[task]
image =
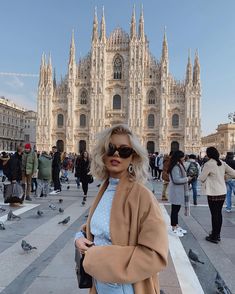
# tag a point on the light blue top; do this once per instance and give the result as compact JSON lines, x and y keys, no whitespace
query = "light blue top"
{"x":100,"y":229}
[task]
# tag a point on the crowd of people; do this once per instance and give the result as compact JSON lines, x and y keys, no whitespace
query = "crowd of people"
{"x":36,"y":171}
{"x":114,"y":241}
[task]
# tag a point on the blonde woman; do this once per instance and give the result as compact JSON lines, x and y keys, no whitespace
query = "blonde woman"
{"x":125,"y":222}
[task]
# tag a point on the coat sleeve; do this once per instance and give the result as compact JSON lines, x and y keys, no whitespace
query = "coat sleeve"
{"x":176,"y":176}
{"x":130,"y":264}
{"x":204,"y":174}
{"x":229,"y":171}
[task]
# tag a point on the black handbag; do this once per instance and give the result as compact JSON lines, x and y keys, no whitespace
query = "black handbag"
{"x":84,"y":279}
{"x":90,"y":179}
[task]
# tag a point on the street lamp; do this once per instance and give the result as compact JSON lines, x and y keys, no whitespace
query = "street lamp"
{"x":231,"y":117}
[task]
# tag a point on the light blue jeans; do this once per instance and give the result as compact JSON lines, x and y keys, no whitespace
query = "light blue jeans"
{"x":230,"y":184}
{"x":113,"y":288}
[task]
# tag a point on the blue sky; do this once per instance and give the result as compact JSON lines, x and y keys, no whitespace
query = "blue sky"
{"x":29,"y":28}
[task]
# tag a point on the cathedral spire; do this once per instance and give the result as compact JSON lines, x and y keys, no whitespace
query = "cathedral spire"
{"x":95,"y":27}
{"x":54,"y":80}
{"x":49,"y":70}
{"x":164,"y":59}
{"x":141,"y":24}
{"x":133,"y":25}
{"x":196,"y":70}
{"x":72,"y":50}
{"x":103,"y":28}
{"x":42,"y":71}
{"x":165,"y":47}
{"x":189,"y":69}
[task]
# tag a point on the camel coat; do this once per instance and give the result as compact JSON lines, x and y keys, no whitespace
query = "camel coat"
{"x":139,"y":247}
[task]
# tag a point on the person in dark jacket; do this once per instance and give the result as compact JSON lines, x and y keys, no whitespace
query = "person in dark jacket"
{"x":15,"y":166}
{"x":76,"y":165}
{"x":56,"y":165}
{"x":83,"y":169}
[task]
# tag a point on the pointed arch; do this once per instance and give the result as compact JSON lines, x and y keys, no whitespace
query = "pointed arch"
{"x":117,"y":102}
{"x":60,"y":120}
{"x":175,"y":120}
{"x":151,"y":121}
{"x":151,"y":98}
{"x":117,"y":67}
{"x":83,"y":97}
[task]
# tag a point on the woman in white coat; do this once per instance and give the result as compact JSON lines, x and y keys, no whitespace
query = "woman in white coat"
{"x":213,"y":185}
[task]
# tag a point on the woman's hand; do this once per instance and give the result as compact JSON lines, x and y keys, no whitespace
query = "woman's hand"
{"x":83,"y":244}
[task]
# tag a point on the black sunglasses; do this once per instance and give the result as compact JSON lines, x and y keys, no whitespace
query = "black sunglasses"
{"x":124,"y":152}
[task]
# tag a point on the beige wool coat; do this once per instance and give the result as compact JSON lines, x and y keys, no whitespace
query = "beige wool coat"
{"x":139,"y":247}
{"x":213,"y":178}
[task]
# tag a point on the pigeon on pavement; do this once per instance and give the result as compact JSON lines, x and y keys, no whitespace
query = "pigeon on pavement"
{"x":221,"y":286}
{"x":61,"y":200}
{"x":52,"y":206}
{"x":2,"y":209}
{"x":12,"y":216}
{"x":65,"y":221}
{"x":26,"y":246}
{"x":193,"y":256}
{"x":2,"y":227}
{"x":68,"y":187}
{"x":61,"y":210}
{"x":39,"y":212}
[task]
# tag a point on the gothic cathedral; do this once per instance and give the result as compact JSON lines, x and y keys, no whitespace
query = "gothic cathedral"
{"x":119,"y":81}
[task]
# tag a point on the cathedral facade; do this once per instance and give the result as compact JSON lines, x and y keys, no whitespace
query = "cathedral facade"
{"x":119,"y":81}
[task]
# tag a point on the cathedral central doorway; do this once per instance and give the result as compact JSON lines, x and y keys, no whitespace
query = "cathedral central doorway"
{"x":175,"y":146}
{"x":82,"y":146}
{"x":150,"y":147}
{"x":60,"y":145}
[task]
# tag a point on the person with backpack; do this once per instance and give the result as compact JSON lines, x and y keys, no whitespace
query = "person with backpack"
{"x":193,"y":168}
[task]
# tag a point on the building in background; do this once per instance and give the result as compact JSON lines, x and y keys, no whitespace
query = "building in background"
{"x":223,"y":139}
{"x":119,"y":81}
{"x":30,"y":127}
{"x":13,"y":126}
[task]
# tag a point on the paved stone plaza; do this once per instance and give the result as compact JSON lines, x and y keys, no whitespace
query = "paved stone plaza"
{"x":50,"y":268}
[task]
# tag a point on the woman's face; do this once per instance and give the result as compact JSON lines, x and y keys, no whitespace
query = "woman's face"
{"x":116,"y":165}
{"x":85,"y":154}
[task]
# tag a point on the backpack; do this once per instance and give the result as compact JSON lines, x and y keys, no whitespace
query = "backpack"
{"x":193,"y":170}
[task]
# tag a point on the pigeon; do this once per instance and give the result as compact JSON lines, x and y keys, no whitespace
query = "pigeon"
{"x":61,"y":210}
{"x":2,"y":227}
{"x":61,"y":200}
{"x":26,"y":246}
{"x":194,"y":257}
{"x":11,"y":216}
{"x":162,"y":292}
{"x":221,"y":286}
{"x":52,"y":206}
{"x":39,"y":212}
{"x":2,"y":209}
{"x":68,"y":187}
{"x":65,"y":221}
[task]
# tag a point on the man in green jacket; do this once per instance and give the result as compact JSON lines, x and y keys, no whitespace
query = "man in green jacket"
{"x":29,"y":168}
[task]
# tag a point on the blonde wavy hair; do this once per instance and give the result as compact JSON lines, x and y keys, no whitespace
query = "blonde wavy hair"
{"x":139,"y":158}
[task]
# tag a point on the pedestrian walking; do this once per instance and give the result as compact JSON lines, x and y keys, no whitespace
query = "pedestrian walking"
{"x":178,"y":190}
{"x":165,"y":175}
{"x":230,"y":183}
{"x":29,"y":169}
{"x":77,"y":173}
{"x":4,"y":158}
{"x":56,"y":166}
{"x":132,"y":235}
{"x":193,"y":169}
{"x":83,"y":173}
{"x":213,"y":185}
{"x":160,"y":166}
{"x":44,"y":174}
{"x":14,"y":173}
